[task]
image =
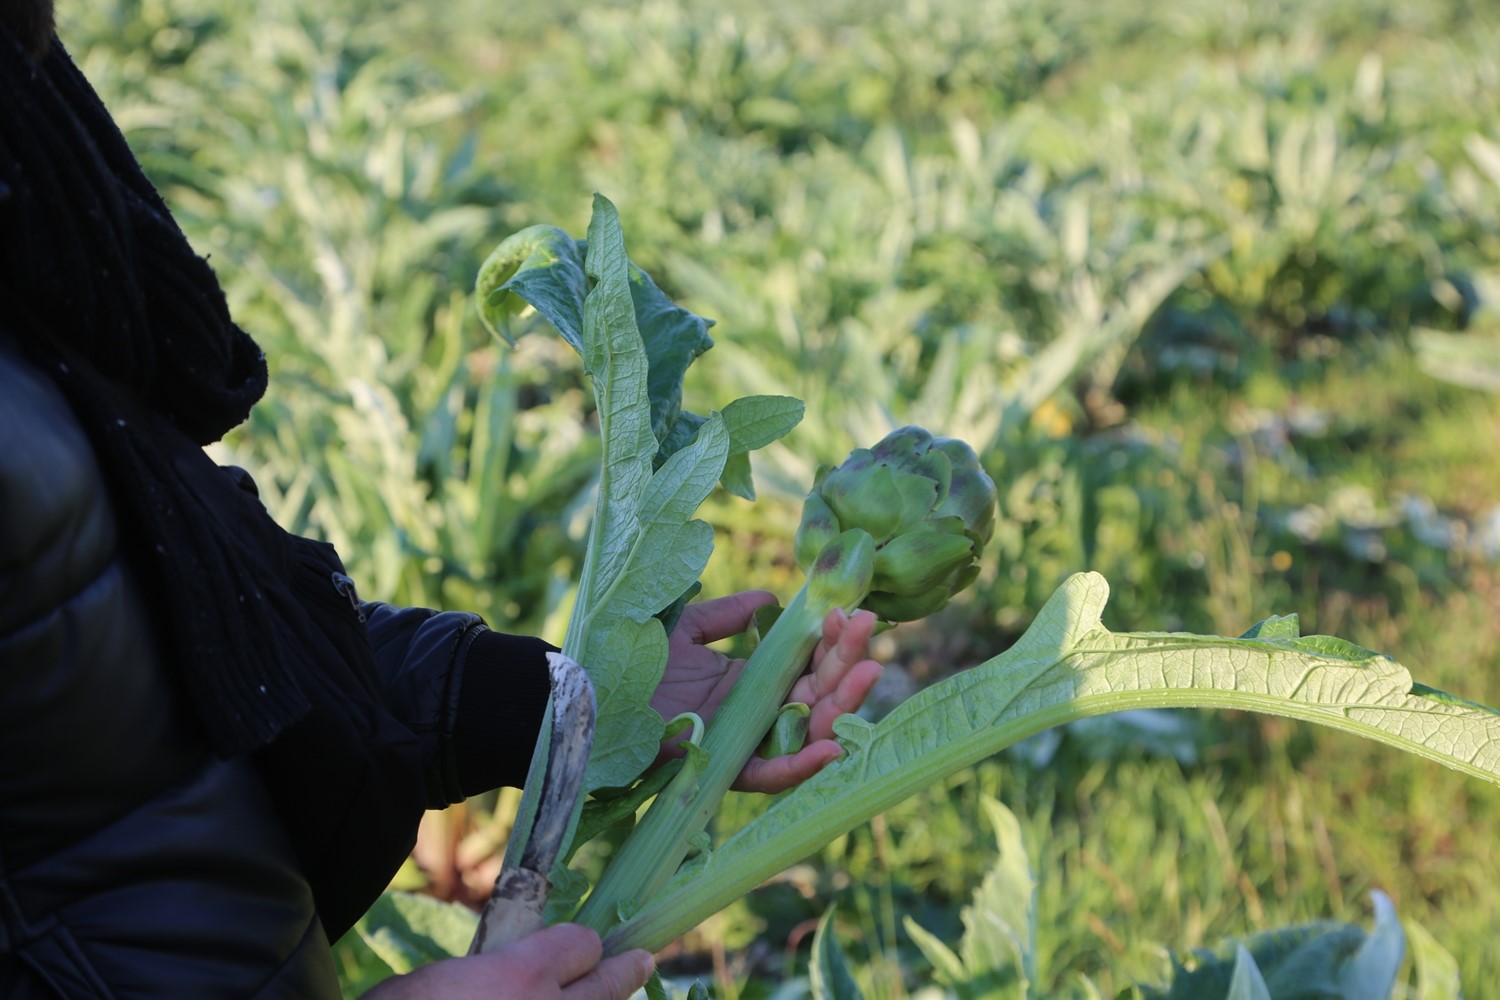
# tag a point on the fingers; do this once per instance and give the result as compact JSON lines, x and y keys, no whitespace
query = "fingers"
{"x":568,"y":956}
{"x":722,"y":617}
{"x":557,"y":962}
{"x":852,"y":690}
{"x":780,"y":773}
{"x":614,"y":978}
{"x":568,"y":951}
{"x":846,"y":643}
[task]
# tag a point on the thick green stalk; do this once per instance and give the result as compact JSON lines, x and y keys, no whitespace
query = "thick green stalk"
{"x":652,"y":853}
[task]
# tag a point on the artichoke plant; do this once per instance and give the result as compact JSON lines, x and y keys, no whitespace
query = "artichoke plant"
{"x":926,"y":503}
{"x":898,"y":529}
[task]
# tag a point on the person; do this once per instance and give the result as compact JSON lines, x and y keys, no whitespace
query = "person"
{"x":213,"y":753}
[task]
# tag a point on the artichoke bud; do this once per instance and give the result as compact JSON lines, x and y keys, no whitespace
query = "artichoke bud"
{"x":938,"y":467}
{"x":902,"y":445}
{"x":866,"y":498}
{"x":859,"y":459}
{"x":910,"y":450}
{"x":917,"y":496}
{"x":965,"y":576}
{"x":840,"y":575}
{"x":818,"y":527}
{"x":971,"y":493}
{"x":972,"y":500}
{"x":949,"y":524}
{"x":921,"y":560}
{"x":899,"y":608}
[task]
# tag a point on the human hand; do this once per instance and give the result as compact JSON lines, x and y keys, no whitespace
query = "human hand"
{"x":697,"y":678}
{"x":558,"y":963}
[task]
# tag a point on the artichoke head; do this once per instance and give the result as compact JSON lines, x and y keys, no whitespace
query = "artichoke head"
{"x":927,"y":505}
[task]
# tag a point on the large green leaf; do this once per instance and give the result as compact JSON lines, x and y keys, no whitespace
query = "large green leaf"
{"x":998,"y":948}
{"x":547,"y":269}
{"x":831,"y":978}
{"x":408,"y":930}
{"x":1069,"y":666}
{"x":1323,"y":960}
{"x":644,"y":550}
{"x":1000,"y":922}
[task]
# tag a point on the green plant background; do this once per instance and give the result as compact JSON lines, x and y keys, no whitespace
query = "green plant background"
{"x":1214,"y":288}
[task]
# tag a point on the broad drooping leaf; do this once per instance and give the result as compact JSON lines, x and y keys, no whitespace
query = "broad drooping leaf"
{"x":644,"y":546}
{"x":1069,"y":666}
{"x":1323,"y":960}
{"x":544,"y":267}
{"x":998,"y":948}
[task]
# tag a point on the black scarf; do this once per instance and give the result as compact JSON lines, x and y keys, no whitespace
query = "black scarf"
{"x":101,"y":288}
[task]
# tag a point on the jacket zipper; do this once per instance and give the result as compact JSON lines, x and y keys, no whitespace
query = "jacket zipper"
{"x":344,"y":585}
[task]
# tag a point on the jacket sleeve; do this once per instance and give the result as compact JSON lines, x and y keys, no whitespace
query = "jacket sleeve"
{"x":475,"y":697}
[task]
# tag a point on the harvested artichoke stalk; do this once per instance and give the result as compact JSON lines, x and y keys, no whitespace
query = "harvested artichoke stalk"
{"x":897,"y":529}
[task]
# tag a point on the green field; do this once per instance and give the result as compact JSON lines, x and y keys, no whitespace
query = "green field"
{"x":1213,"y":288}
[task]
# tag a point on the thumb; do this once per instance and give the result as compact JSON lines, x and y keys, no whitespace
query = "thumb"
{"x":723,"y":617}
{"x":615,"y":978}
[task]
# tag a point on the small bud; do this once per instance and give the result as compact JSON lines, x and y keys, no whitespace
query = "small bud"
{"x":818,"y":527}
{"x":897,"y":608}
{"x":841,"y":574}
{"x":919,"y":561}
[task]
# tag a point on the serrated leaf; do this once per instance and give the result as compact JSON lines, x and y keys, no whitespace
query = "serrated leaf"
{"x":829,"y":971}
{"x":665,"y":561}
{"x":544,"y":267}
{"x":615,"y":360}
{"x":754,"y":422}
{"x":1069,"y":666}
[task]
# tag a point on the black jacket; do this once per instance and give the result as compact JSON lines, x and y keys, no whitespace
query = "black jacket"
{"x":133,"y":861}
